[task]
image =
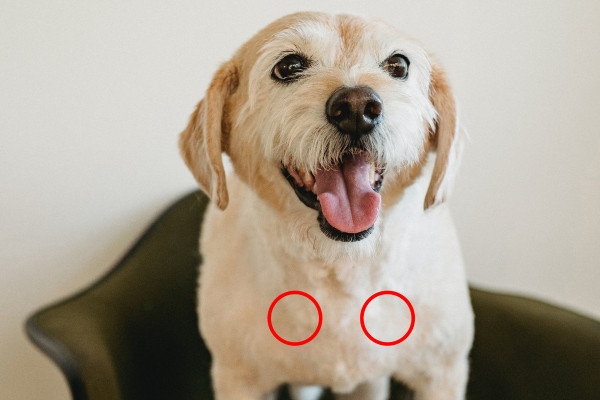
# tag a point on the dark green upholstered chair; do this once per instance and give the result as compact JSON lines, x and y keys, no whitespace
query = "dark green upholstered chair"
{"x":133,"y":334}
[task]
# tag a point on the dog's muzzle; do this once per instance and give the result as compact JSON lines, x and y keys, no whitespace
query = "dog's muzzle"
{"x":347,"y":194}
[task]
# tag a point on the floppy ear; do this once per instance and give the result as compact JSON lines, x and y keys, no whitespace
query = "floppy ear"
{"x":445,"y":139}
{"x":201,"y":142}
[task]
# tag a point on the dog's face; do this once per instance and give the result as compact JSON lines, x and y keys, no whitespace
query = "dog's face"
{"x":330,"y":116}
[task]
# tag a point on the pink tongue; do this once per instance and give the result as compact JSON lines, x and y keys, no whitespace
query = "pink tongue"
{"x":347,"y":200}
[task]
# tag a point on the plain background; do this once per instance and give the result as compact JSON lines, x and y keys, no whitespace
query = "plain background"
{"x":94,"y":94}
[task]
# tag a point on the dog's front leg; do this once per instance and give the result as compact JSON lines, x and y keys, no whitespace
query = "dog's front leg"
{"x":377,"y":389}
{"x":305,"y":392}
{"x":237,"y":383}
{"x":445,"y":383}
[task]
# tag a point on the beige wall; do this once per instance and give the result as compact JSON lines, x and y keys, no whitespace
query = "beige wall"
{"x":93,"y":94}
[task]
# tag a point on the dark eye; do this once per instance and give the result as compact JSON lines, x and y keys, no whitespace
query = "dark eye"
{"x":397,"y":66}
{"x":289,"y":68}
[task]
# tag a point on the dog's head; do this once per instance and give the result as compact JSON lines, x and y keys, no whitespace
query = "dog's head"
{"x":329,"y":113}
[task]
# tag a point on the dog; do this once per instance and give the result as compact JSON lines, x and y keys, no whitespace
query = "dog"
{"x":344,"y":142}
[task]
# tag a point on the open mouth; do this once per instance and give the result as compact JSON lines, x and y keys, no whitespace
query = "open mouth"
{"x":345,"y":195}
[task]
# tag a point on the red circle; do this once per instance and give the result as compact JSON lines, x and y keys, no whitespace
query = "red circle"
{"x":412,"y":318}
{"x":301,"y":342}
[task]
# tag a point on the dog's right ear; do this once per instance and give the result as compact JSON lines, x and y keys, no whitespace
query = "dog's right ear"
{"x":201,"y":141}
{"x":445,"y":139}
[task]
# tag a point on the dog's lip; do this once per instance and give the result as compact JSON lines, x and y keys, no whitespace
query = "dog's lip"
{"x":308,"y":198}
{"x":300,"y":180}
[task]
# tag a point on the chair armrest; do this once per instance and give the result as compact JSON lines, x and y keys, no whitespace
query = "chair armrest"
{"x":134,"y":334}
{"x":527,"y":349}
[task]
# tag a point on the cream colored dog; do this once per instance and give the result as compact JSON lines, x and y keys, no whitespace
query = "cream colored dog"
{"x":343,"y":138}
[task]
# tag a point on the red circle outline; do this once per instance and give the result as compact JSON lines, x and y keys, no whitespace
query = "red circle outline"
{"x":412,"y":318}
{"x":289,"y":293}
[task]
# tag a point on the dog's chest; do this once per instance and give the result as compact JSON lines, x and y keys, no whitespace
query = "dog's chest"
{"x":342,"y":354}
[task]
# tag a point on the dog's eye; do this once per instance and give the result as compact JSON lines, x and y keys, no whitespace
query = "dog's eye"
{"x":397,"y":66}
{"x":289,"y":68}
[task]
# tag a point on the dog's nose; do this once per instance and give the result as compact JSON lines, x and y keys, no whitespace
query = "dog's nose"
{"x":354,"y":110}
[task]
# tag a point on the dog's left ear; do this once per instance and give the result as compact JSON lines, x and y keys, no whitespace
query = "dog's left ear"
{"x":201,"y":142}
{"x":445,"y":139}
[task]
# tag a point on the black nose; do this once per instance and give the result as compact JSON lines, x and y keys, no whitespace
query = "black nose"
{"x":354,"y":110}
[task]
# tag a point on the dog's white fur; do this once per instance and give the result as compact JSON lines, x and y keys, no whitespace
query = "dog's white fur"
{"x":259,"y":240}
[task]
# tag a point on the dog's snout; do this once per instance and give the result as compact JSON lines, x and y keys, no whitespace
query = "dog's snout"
{"x":354,"y":110}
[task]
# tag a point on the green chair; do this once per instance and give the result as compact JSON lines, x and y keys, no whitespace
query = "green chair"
{"x":133,"y":334}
